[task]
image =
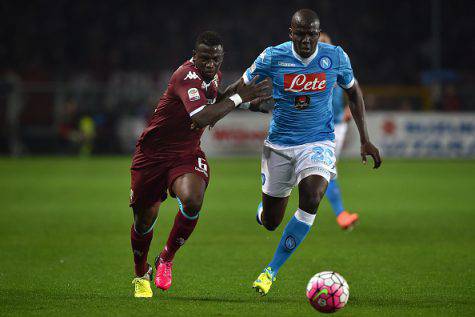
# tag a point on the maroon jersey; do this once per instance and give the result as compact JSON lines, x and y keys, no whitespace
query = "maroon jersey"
{"x":168,"y":135}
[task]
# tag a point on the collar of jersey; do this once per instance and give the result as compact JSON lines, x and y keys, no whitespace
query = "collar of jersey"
{"x":307,"y":60}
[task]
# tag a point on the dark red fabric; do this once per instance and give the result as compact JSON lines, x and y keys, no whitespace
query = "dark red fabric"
{"x":168,"y":134}
{"x":149,"y":184}
{"x":181,"y":231}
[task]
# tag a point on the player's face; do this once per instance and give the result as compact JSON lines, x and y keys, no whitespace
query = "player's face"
{"x":305,"y":38}
{"x":208,"y":59}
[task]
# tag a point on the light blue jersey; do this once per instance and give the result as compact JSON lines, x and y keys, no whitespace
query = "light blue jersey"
{"x":338,"y":105}
{"x":303,"y":90}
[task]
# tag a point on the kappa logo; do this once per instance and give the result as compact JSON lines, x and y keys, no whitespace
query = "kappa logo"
{"x":191,"y":75}
{"x":284,"y":64}
{"x":193,"y":94}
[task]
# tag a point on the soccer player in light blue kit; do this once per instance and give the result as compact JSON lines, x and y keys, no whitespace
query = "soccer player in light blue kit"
{"x":341,"y":116}
{"x":300,"y":149}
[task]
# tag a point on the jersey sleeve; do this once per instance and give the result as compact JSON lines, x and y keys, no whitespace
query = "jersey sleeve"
{"x":188,"y":88}
{"x":345,"y":77}
{"x":261,"y":66}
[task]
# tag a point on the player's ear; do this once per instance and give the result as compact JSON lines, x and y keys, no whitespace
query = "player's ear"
{"x":193,"y":54}
{"x":290,"y":33}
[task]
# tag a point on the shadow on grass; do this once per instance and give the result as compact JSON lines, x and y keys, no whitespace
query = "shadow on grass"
{"x":43,"y":296}
{"x":216,"y":299}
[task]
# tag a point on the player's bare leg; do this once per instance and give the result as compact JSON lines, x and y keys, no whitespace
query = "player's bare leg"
{"x":141,"y":235}
{"x":190,"y":190}
{"x":311,"y":192}
{"x":271,"y":211}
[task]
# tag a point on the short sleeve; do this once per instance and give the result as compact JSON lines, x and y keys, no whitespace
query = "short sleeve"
{"x":188,"y":88}
{"x":345,"y":76}
{"x":261,"y":66}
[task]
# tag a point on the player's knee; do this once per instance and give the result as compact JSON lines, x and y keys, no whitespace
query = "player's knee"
{"x":145,"y":218}
{"x":271,"y":226}
{"x":144,"y":226}
{"x":192,"y":204}
{"x":311,"y":200}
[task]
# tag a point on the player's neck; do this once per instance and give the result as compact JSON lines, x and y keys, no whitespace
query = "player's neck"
{"x":305,"y":60}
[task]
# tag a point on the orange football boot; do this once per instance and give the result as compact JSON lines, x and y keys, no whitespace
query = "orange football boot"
{"x":346,"y":220}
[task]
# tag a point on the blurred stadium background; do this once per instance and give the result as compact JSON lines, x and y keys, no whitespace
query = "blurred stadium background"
{"x":80,"y":78}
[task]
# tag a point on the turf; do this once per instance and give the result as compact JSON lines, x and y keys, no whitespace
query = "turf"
{"x":65,"y":249}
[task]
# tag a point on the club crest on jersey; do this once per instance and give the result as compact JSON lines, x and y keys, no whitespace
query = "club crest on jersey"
{"x":193,"y":94}
{"x":191,"y":75}
{"x":325,"y":62}
{"x":305,"y":82}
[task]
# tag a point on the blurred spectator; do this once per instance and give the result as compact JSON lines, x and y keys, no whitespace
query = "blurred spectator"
{"x":450,"y":100}
{"x":76,"y":132}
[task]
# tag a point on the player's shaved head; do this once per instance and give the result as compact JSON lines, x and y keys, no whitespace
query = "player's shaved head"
{"x":305,"y":17}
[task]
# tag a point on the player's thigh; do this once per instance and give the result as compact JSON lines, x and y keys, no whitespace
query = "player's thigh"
{"x":311,"y":191}
{"x":148,"y":190}
{"x":188,"y":180}
{"x":277,"y":173}
{"x":148,"y":187}
{"x":315,"y":167}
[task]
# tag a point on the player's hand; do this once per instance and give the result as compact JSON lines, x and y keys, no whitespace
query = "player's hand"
{"x":369,"y":149}
{"x":259,"y":104}
{"x":254,"y":91}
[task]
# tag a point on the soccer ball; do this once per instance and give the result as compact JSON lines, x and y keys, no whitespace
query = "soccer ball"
{"x":328,"y":292}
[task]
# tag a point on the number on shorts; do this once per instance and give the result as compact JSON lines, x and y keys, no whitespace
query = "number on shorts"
{"x":322,"y":155}
{"x":202,"y":164}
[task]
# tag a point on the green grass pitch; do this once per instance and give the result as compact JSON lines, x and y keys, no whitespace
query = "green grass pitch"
{"x":65,"y":248}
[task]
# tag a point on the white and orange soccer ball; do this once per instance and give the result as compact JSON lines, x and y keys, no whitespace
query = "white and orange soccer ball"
{"x":328,"y":292}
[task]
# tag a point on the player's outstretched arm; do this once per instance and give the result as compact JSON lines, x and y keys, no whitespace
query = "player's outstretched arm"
{"x":229,"y":91}
{"x":355,"y":96}
{"x":252,"y":92}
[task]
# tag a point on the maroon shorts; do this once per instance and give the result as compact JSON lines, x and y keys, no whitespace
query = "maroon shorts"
{"x":149,"y":184}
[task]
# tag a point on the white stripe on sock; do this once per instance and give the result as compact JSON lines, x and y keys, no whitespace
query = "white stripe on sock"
{"x":304,"y":217}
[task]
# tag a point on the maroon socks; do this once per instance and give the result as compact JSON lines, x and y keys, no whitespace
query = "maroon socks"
{"x":181,"y":231}
{"x":140,"y":246}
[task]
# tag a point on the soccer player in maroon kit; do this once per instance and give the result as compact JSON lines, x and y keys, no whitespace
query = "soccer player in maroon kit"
{"x":168,"y":155}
